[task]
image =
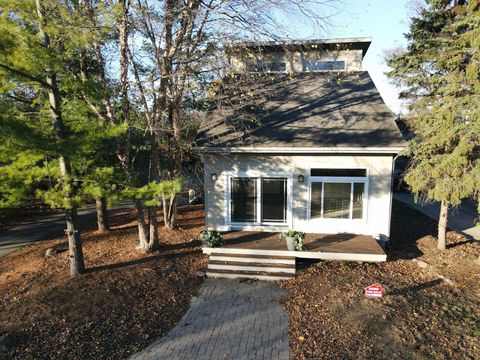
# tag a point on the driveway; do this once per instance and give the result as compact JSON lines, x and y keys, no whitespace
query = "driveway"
{"x":230,"y":319}
{"x":46,"y":228}
{"x":460,"y":218}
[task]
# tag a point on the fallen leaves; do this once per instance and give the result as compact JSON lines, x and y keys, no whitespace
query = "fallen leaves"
{"x":123,"y":303}
{"x":419,"y":316}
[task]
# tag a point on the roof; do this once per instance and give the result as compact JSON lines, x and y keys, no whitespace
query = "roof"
{"x":309,"y":112}
{"x":357,"y":43}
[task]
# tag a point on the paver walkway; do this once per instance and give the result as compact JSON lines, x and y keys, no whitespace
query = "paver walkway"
{"x":229,"y":319}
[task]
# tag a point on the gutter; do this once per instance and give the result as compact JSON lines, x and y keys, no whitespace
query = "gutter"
{"x":300,"y":150}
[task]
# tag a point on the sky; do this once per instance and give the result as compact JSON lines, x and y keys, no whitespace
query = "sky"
{"x":385,"y":21}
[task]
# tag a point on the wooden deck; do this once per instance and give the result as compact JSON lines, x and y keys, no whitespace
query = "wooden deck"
{"x":346,"y":247}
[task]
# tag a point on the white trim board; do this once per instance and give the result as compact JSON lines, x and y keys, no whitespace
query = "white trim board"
{"x":300,"y":254}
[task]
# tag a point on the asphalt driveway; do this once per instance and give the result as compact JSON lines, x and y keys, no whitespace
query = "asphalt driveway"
{"x":461,"y":218}
{"x":43,"y":229}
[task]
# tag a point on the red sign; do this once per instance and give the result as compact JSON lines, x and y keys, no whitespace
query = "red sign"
{"x":374,"y":291}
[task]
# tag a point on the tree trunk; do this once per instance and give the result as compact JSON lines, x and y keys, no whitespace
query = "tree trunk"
{"x":102,"y":215}
{"x":442,"y":226}
{"x":75,"y":252}
{"x":142,"y":226}
{"x":77,"y":265}
{"x":169,"y":211}
{"x":153,"y":224}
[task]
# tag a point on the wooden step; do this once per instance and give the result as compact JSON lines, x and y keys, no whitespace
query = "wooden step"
{"x":259,"y":264}
{"x":261,"y":275}
{"x":250,"y":267}
{"x":253,"y":258}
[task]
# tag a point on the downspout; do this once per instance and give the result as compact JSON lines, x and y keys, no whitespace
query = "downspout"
{"x":391,"y":201}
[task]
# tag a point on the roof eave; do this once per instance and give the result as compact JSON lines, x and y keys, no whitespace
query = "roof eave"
{"x":302,"y":150}
{"x":363,"y":42}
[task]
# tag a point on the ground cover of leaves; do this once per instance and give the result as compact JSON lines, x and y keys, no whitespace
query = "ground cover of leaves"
{"x":125,"y":301}
{"x":419,"y":317}
{"x":128,"y":299}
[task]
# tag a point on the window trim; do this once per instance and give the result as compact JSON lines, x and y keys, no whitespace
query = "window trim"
{"x":259,"y":176}
{"x":339,"y":179}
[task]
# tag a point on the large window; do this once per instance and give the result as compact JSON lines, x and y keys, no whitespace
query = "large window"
{"x":322,"y":65}
{"x":337,"y":197}
{"x":258,"y":200}
{"x":267,"y":66}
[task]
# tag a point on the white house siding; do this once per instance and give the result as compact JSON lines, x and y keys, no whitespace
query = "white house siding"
{"x":378,"y":208}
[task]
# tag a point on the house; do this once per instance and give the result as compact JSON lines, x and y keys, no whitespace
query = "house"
{"x":300,"y":138}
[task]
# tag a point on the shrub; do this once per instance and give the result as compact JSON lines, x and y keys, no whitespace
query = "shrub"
{"x":211,"y":238}
{"x":299,"y":236}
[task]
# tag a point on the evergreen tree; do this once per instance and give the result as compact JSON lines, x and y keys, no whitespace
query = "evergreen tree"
{"x":440,"y":71}
{"x":47,"y":133}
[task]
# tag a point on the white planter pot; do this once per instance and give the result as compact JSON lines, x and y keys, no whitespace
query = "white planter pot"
{"x":290,"y":243}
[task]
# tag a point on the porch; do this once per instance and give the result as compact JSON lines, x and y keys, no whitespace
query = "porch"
{"x":264,"y":255}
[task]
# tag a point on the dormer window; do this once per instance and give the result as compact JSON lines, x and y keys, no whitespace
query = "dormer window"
{"x":267,"y":66}
{"x":323,"y":65}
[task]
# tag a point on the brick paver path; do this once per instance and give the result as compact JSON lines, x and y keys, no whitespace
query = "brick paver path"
{"x":229,"y":319}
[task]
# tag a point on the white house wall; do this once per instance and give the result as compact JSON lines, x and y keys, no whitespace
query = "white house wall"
{"x":379,"y":170}
{"x":293,"y":60}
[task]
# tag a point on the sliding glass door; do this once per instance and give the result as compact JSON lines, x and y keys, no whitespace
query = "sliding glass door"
{"x":258,"y":200}
{"x":274,"y":200}
{"x":244,"y":199}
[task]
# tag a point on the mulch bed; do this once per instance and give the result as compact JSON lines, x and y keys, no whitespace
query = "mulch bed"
{"x":419,"y":317}
{"x":125,"y":301}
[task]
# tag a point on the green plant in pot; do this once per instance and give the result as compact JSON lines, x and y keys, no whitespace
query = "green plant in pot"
{"x":294,"y":240}
{"x":211,"y":238}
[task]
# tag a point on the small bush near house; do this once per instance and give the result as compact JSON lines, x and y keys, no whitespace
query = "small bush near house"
{"x":211,"y":238}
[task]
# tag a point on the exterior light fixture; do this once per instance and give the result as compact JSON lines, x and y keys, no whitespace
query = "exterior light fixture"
{"x":301,"y":179}
{"x":214,"y":177}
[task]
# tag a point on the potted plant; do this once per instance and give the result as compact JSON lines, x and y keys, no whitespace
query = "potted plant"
{"x":294,"y":240}
{"x":211,"y":238}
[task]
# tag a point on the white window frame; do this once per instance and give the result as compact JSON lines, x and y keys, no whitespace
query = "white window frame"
{"x":343,"y":180}
{"x":258,"y":223}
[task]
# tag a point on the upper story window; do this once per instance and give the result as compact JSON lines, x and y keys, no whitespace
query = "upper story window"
{"x":322,"y":65}
{"x":267,"y":66}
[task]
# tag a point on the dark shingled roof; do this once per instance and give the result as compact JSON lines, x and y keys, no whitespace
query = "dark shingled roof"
{"x":321,"y":110}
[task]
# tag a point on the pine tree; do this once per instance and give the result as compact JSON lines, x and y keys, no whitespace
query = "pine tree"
{"x":440,"y":71}
{"x":47,"y":133}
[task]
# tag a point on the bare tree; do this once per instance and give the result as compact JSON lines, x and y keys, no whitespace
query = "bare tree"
{"x":162,"y":50}
{"x":179,"y":42}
